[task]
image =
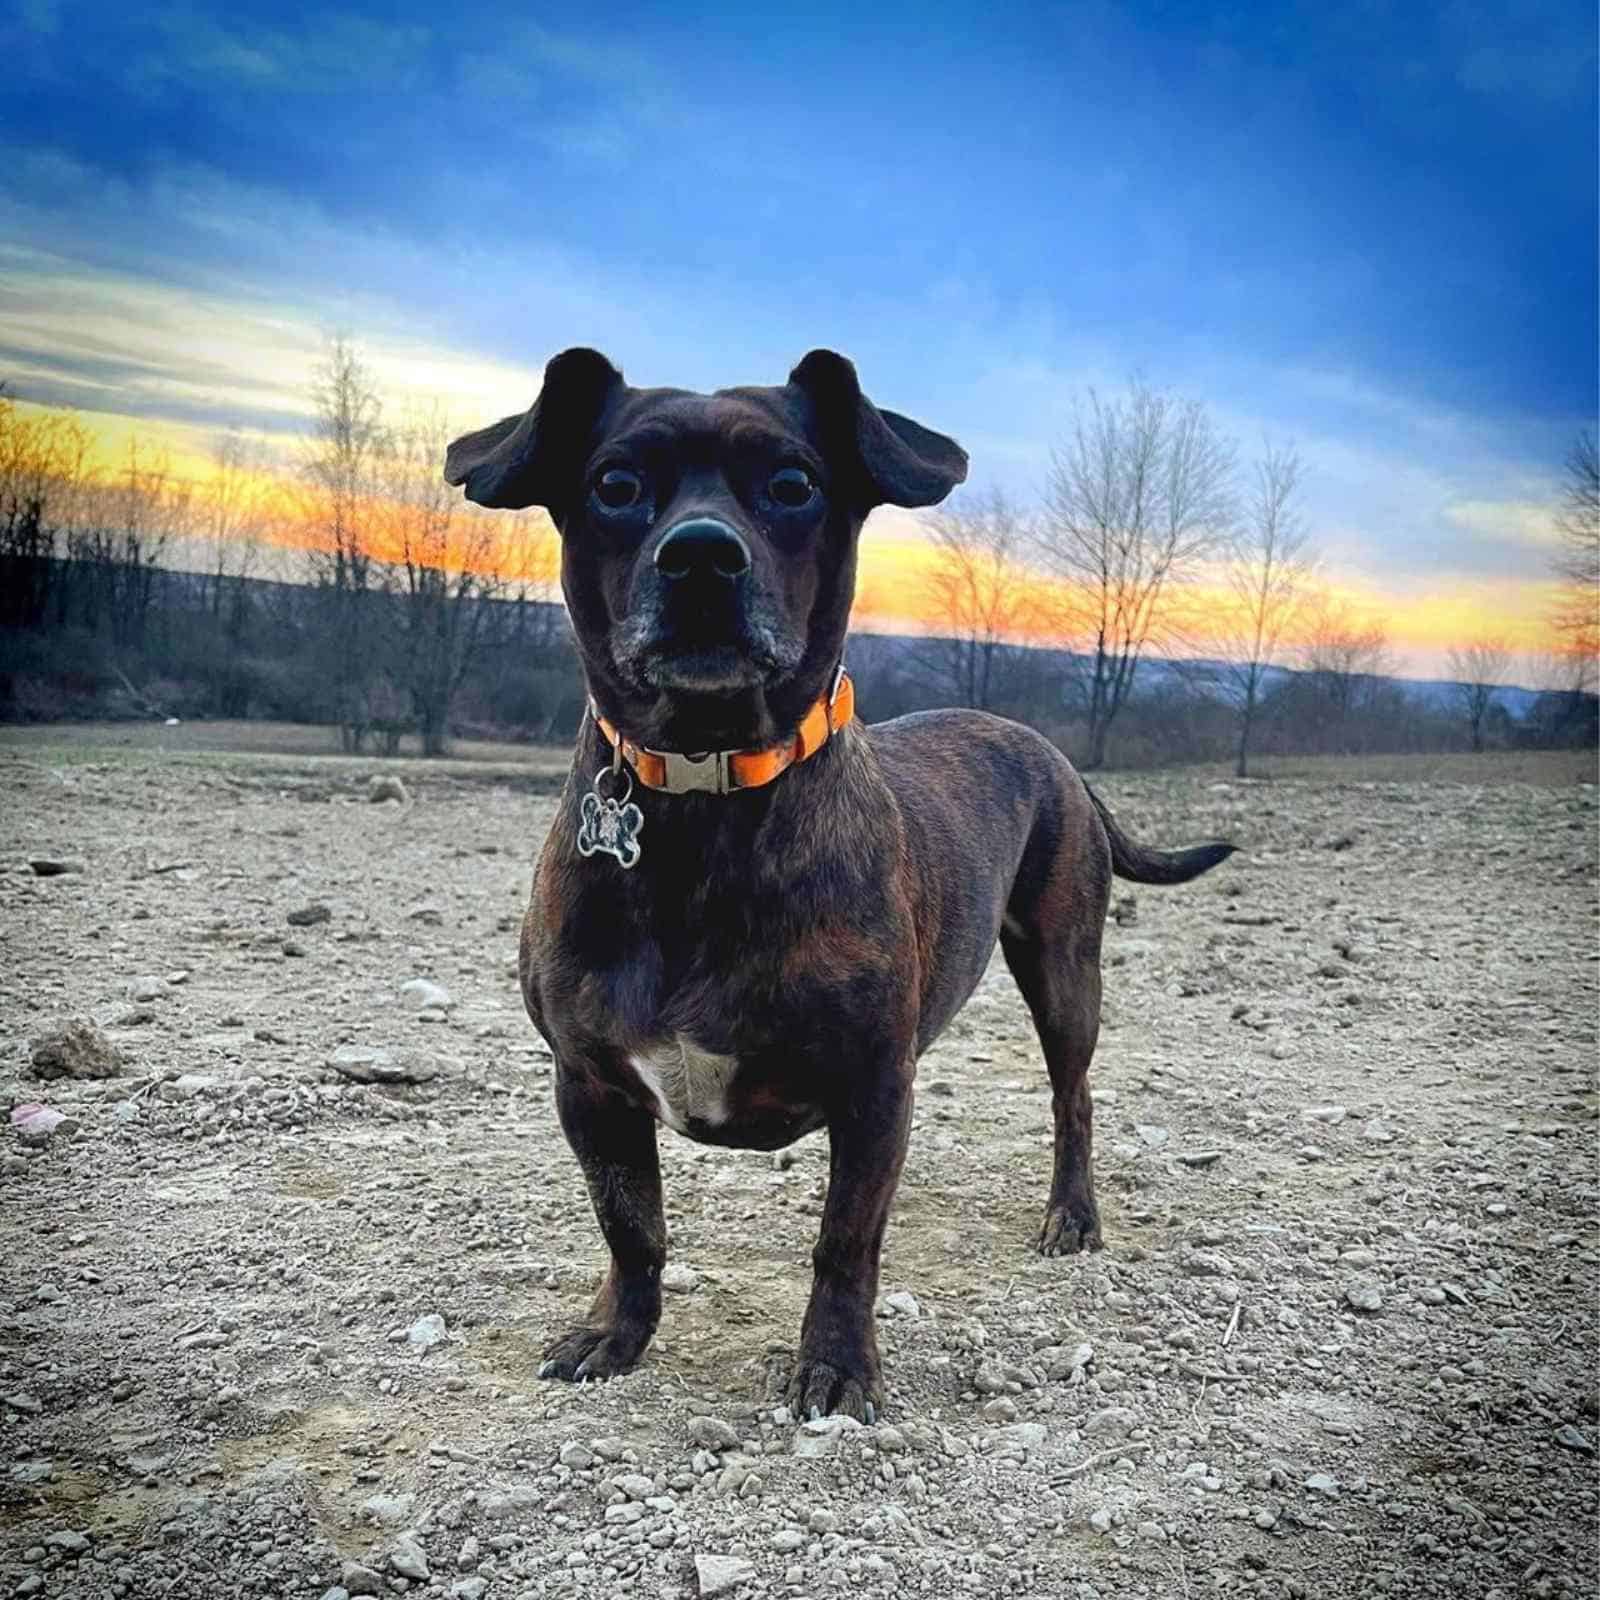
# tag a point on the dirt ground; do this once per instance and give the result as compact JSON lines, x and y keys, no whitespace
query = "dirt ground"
{"x":266,"y":1330}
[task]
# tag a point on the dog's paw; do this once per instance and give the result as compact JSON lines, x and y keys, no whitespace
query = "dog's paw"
{"x":819,"y":1388}
{"x":593,"y":1353}
{"x":1067,"y":1229}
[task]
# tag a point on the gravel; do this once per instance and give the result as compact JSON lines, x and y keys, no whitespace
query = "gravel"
{"x":272,"y":1310}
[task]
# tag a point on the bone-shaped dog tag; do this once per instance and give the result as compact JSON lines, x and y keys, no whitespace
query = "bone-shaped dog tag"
{"x":611,"y":828}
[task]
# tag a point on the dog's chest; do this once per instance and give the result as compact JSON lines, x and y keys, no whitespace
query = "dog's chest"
{"x":688,"y":1084}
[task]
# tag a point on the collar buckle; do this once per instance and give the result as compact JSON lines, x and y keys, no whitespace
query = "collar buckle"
{"x":705,"y":773}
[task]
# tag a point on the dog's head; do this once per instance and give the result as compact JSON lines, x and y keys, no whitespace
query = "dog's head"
{"x":708,"y":541}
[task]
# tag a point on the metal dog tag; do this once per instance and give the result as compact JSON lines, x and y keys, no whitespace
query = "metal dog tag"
{"x":610,"y":827}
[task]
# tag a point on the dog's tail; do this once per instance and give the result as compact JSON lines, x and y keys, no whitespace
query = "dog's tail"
{"x":1142,"y":865}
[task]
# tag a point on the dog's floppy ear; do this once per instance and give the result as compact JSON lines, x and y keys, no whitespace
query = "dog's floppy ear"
{"x":904,"y":463}
{"x":527,"y":460}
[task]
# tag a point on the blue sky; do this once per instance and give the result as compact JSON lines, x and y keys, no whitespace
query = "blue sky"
{"x":1368,"y":227}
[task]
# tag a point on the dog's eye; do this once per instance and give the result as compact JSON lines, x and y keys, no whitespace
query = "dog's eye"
{"x":792,"y":487}
{"x":618,"y":489}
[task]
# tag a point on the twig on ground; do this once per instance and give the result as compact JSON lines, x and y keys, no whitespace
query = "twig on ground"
{"x":1090,"y":1462}
{"x":1233,"y":1323}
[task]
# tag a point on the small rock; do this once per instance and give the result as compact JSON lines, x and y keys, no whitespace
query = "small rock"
{"x":77,"y":1050}
{"x":309,"y":916}
{"x":1114,"y":1422}
{"x":721,"y":1574}
{"x":337,"y":1592}
{"x":678,"y":1279}
{"x":385,"y":786}
{"x":903,"y":1303}
{"x":68,"y":1541}
{"x":147,"y":988}
{"x":388,"y":1510}
{"x":365,"y":1065}
{"x":360,"y":1580}
{"x":1001,"y":1409}
{"x":1332,"y":1115}
{"x":786,"y":1539}
{"x":1198,"y":1158}
{"x":576,"y":1455}
{"x":820,"y":1438}
{"x":1151,"y":1135}
{"x":1571,"y":1438}
{"x":54,"y":866}
{"x":469,"y":1589}
{"x":1266,"y":1519}
{"x":1321,"y":1483}
{"x":422,"y":994}
{"x":1364,"y":1296}
{"x":407,"y":1559}
{"x":1100,"y":1520}
{"x":426,"y":1332}
{"x":712,"y":1433}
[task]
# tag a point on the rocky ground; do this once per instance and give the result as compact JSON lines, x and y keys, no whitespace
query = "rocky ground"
{"x":272,"y":1294}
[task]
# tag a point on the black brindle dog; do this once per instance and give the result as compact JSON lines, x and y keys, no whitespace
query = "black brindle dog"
{"x":753,"y":913}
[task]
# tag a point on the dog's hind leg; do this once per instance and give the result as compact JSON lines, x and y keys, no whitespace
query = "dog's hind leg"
{"x":1060,"y":979}
{"x":615,"y":1144}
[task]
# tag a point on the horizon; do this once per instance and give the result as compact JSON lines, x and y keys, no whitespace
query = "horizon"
{"x":1371,"y":236}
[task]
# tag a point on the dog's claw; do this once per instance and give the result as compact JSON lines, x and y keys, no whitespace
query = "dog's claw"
{"x":547,"y":1369}
{"x":816,"y":1414}
{"x":872,"y":1413}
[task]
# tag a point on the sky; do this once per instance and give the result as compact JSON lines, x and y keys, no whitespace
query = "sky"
{"x":1368,"y":229}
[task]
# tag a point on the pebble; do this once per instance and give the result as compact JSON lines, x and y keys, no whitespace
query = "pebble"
{"x":426,"y":1332}
{"x":422,"y":994}
{"x":147,"y":988}
{"x":1571,"y":1438}
{"x":576,"y":1455}
{"x":822,"y":1437}
{"x":309,"y":916}
{"x":1321,"y":1483}
{"x":903,"y":1303}
{"x":721,"y":1574}
{"x":407,"y":1559}
{"x":1332,"y":1115}
{"x":1001,"y":1409}
{"x":388,"y":1510}
{"x":385,"y":786}
{"x":469,"y":1589}
{"x":787,"y":1539}
{"x":1364,"y":1296}
{"x":365,"y":1065}
{"x":1114,"y":1422}
{"x":68,"y":1541}
{"x":678,"y":1279}
{"x":54,"y":866}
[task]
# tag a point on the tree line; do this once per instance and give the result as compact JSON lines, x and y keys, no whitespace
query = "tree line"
{"x":1163,"y":548}
{"x":1162,"y":600}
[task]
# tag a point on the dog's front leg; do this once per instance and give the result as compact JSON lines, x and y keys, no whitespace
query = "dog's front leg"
{"x":615,"y":1143}
{"x":838,"y":1368}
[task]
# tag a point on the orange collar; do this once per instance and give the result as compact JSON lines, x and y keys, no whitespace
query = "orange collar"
{"x":722,"y":771}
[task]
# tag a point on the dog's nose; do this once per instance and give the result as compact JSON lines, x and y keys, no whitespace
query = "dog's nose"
{"x":702,"y":547}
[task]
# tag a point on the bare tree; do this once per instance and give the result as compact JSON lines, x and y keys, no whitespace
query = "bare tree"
{"x":1266,"y":572}
{"x":983,"y":602}
{"x":347,"y":439}
{"x":44,"y":479}
{"x":1138,"y":494}
{"x":1576,"y":563}
{"x":230,"y":521}
{"x":127,"y":526}
{"x":450,"y":565}
{"x":1479,"y":669}
{"x":1345,"y":659}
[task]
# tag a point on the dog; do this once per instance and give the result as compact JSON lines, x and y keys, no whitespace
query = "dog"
{"x":754,"y":913}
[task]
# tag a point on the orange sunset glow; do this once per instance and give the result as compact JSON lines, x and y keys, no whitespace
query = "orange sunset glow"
{"x":895,"y":591}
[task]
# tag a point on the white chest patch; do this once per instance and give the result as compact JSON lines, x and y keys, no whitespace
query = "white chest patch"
{"x":687,"y":1083}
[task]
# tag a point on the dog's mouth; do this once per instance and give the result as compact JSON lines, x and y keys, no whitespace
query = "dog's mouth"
{"x":701,"y":654}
